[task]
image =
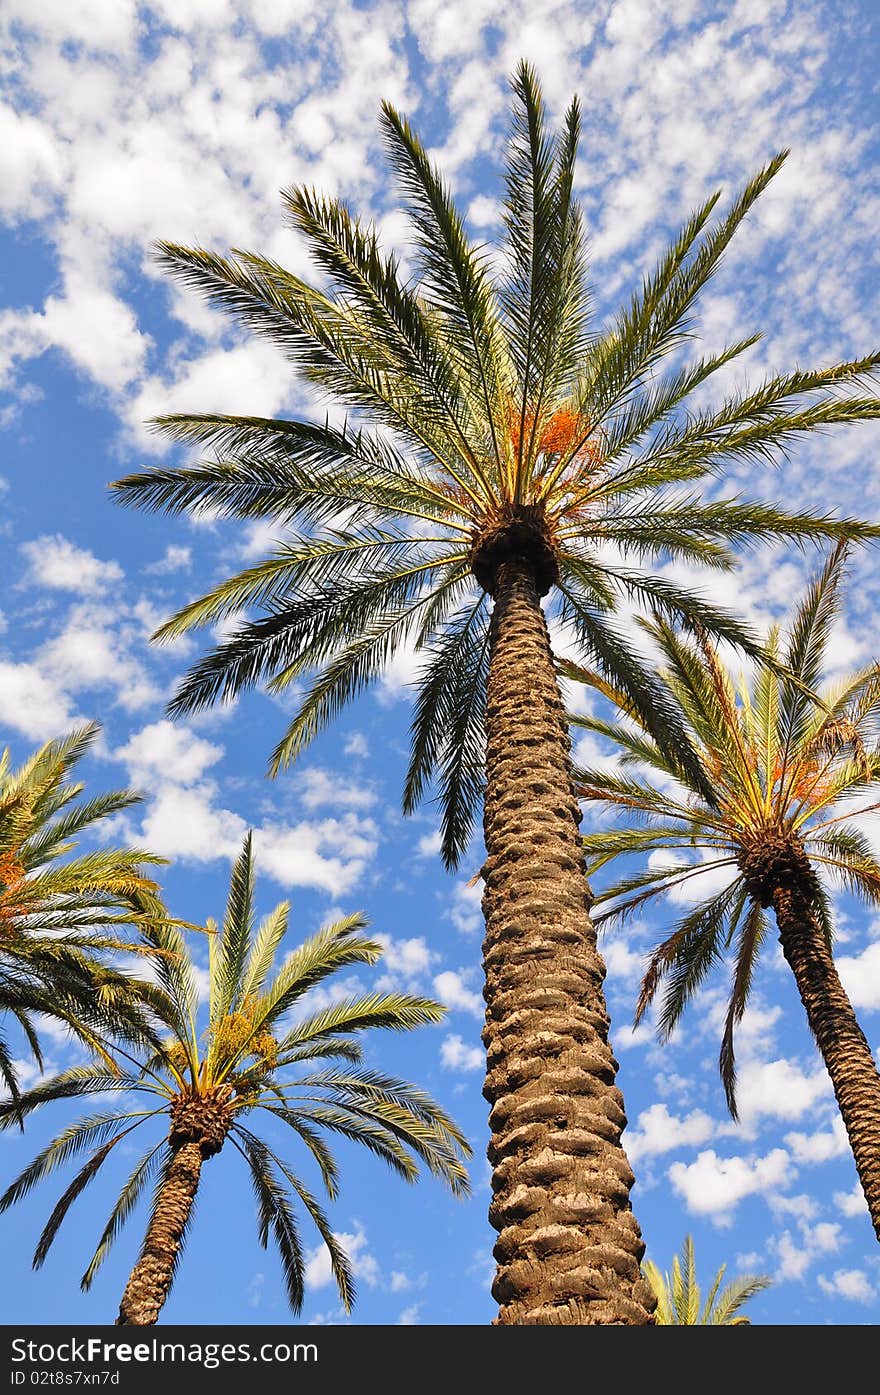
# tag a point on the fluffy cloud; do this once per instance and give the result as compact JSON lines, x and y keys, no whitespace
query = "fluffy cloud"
{"x":57,"y":563}
{"x":465,"y":911}
{"x":166,"y":751}
{"x":356,"y":745}
{"x":657,"y":1131}
{"x":819,"y":1147}
{"x":852,"y":1203}
{"x":452,"y":990}
{"x":184,"y":823}
{"x":860,"y":976}
{"x":852,"y":1284}
{"x":795,"y":1256}
{"x":330,"y":855}
{"x":191,"y":823}
{"x":174,"y":559}
{"x":405,"y":963}
{"x":32,"y":704}
{"x":778,"y":1090}
{"x":714,"y":1186}
{"x":429,"y":844}
{"x":456,"y":1054}
{"x":317,"y":787}
{"x":319,"y":1271}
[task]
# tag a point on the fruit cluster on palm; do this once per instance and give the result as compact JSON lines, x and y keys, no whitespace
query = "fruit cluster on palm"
{"x":64,"y":918}
{"x":264,"y":1048}
{"x":792,"y":765}
{"x":502,"y":448}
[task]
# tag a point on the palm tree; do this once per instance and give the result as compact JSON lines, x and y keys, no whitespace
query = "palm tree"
{"x":679,"y":1297}
{"x":786,"y":767}
{"x":302,"y":1070}
{"x":503,"y":450}
{"x":56,"y":911}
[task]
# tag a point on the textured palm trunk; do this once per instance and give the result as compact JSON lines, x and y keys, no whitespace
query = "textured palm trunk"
{"x":840,"y":1039}
{"x":569,"y":1247}
{"x":150,"y":1280}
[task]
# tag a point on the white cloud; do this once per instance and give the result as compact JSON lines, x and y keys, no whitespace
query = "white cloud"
{"x":455,"y":1054}
{"x":189,"y":823}
{"x":319,"y":1272}
{"x":166,"y":751}
{"x":330,"y":855}
{"x":657,"y":1131}
{"x":410,"y":1316}
{"x":404,"y":962}
{"x":430,"y":844}
{"x":55,"y":562}
{"x":174,"y":559}
{"x":852,"y":1203}
{"x":317,"y":787}
{"x":452,"y":990}
{"x":714,"y":1186}
{"x":184,"y":823}
{"x":94,"y":651}
{"x":356,"y":745}
{"x":793,"y":1257}
{"x":852,"y":1284}
{"x":778,"y":1090}
{"x":31,"y":164}
{"x":625,"y":967}
{"x":465,"y":912}
{"x":821,"y":1146}
{"x":860,"y":976}
{"x":32,"y":704}
{"x":252,"y":375}
{"x":399,"y":1282}
{"x":626,"y":1038}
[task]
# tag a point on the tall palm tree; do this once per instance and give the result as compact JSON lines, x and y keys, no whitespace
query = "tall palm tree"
{"x":302,"y":1069}
{"x":790,"y":773}
{"x":679,"y":1298}
{"x":504,"y":449}
{"x":58,"y":912}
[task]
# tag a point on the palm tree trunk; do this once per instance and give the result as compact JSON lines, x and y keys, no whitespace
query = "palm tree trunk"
{"x":846,"y":1053}
{"x":150,"y":1280}
{"x":569,"y":1246}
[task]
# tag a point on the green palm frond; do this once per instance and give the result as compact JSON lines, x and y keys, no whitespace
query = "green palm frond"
{"x":477,"y":386}
{"x":65,"y":912}
{"x":782,"y":760}
{"x":251,"y":1055}
{"x":679,"y":1298}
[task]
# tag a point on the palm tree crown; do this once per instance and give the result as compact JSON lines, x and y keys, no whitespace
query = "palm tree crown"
{"x":264,"y":1049}
{"x":57,"y":910}
{"x":785,"y":765}
{"x":495,"y":419}
{"x":679,"y":1299}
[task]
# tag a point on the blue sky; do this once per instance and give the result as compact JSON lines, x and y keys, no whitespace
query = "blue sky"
{"x":124,"y":122}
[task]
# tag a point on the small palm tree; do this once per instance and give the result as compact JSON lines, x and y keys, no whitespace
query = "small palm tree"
{"x":785,"y":767}
{"x":505,"y":449}
{"x":303,"y":1072}
{"x":679,"y":1297}
{"x":57,"y":910}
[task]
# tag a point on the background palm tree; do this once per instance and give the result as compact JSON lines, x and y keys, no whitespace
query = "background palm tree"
{"x":57,"y":910}
{"x":504,"y":449}
{"x":679,"y":1298}
{"x":786,"y":768}
{"x":252,"y":1056}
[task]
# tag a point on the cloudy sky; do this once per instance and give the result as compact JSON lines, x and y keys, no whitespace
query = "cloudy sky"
{"x":123,"y":122}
